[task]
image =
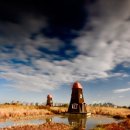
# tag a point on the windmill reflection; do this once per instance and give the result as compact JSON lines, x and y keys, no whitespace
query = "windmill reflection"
{"x":79,"y":123}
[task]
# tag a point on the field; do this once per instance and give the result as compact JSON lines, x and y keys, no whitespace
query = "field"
{"x":19,"y":112}
{"x":110,"y":111}
{"x":32,"y":111}
{"x":46,"y":126}
{"x":118,"y":113}
{"x":124,"y":125}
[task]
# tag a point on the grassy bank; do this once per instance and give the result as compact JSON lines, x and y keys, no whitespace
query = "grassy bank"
{"x":16,"y":112}
{"x":31,"y":111}
{"x":20,"y":111}
{"x":46,"y":126}
{"x":118,"y":113}
{"x":110,"y":111}
{"x":124,"y":125}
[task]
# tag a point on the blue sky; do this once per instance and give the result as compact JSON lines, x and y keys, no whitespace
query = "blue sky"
{"x":41,"y":54}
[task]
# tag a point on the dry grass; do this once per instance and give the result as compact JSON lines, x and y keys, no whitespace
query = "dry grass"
{"x":58,"y":110}
{"x":17,"y":112}
{"x":109,"y":111}
{"x":124,"y":125}
{"x":20,"y":111}
{"x":46,"y":126}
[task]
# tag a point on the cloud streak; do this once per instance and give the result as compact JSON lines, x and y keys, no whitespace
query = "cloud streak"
{"x":121,"y":90}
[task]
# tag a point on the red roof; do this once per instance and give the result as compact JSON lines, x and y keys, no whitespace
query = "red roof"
{"x":49,"y":96}
{"x":77,"y":85}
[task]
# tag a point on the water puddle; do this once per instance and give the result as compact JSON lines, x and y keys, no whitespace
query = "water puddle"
{"x":79,"y":122}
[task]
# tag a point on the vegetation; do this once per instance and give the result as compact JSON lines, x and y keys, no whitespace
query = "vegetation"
{"x":21,"y":111}
{"x":108,"y":104}
{"x":124,"y":125}
{"x":110,"y":111}
{"x":103,"y":104}
{"x":46,"y":126}
{"x":17,"y":110}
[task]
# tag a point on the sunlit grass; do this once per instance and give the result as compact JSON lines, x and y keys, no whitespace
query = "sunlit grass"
{"x":46,"y":126}
{"x":110,"y":111}
{"x":21,"y":111}
{"x":124,"y":125}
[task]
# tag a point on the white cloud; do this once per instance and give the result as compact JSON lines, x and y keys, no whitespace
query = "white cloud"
{"x":108,"y":44}
{"x":101,"y":49}
{"x":121,"y":90}
{"x":121,"y":96}
{"x":26,"y":78}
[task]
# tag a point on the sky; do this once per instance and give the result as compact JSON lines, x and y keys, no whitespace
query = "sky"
{"x":45,"y":46}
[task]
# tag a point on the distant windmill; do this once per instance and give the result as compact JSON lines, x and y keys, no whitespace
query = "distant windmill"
{"x":49,"y":100}
{"x":77,"y":104}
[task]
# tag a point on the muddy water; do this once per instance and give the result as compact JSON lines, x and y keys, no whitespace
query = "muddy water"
{"x":79,"y":122}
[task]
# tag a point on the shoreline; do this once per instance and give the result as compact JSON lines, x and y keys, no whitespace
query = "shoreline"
{"x":19,"y":113}
{"x":123,"y":125}
{"x":45,"y":126}
{"x":13,"y":112}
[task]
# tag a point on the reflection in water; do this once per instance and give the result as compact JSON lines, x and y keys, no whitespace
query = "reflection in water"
{"x":48,"y":120}
{"x":82,"y":122}
{"x":79,"y":123}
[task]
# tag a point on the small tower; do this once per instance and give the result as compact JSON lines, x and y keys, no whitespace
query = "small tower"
{"x":77,"y":104}
{"x":49,"y":100}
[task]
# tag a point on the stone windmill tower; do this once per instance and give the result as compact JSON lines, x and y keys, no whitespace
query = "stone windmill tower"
{"x":77,"y":104}
{"x":49,"y":100}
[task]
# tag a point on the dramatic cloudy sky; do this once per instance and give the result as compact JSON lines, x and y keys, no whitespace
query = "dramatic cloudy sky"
{"x":46,"y":46}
